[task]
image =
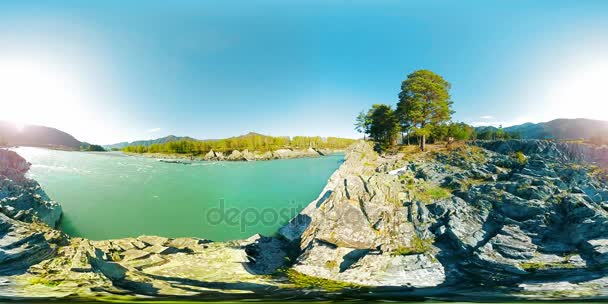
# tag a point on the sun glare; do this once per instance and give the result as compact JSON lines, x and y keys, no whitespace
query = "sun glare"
{"x":33,"y":91}
{"x":580,"y":91}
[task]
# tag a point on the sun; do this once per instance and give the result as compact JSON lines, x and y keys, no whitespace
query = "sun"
{"x":35,"y":91}
{"x":580,"y":91}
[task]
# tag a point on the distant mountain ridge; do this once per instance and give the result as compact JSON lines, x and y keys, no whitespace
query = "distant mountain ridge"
{"x":147,"y":143}
{"x":562,"y":128}
{"x":170,"y":138}
{"x":38,"y":136}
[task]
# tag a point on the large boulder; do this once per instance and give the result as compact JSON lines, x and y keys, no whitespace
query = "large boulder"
{"x":13,"y":166}
{"x":210,"y":155}
{"x":282,"y":153}
{"x":248,"y":156}
{"x":236,"y":155}
{"x":22,"y":198}
{"x":23,"y":245}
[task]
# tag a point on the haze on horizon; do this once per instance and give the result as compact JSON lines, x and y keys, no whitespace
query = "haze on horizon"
{"x":109,"y":71}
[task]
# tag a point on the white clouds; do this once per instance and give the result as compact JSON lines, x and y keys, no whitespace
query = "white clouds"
{"x":487,"y":117}
{"x":153,"y":130}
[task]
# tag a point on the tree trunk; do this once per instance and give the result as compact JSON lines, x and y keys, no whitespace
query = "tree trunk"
{"x":423,"y":143}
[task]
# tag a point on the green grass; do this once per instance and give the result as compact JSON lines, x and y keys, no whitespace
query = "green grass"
{"x":45,"y":282}
{"x":427,"y":193}
{"x":303,"y":281}
{"x":417,"y":246}
{"x":437,"y":192}
{"x":536,"y":266}
{"x":462,"y":155}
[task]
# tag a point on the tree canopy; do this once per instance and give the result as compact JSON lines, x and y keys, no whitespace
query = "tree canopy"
{"x":496,"y":133}
{"x":383,"y":125}
{"x":362,"y":123}
{"x":424,"y":103}
{"x":424,"y":109}
{"x":251,"y":142}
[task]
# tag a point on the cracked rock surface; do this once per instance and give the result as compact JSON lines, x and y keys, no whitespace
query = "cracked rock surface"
{"x":472,"y":221}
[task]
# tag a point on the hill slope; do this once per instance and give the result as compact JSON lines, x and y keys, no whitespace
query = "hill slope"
{"x":579,"y":128}
{"x":39,"y":136}
{"x":149,"y":142}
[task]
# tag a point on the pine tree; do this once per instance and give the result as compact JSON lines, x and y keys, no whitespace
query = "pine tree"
{"x":424,"y":103}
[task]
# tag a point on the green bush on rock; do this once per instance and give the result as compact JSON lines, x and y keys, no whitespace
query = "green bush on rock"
{"x":303,"y":281}
{"x":521,"y":158}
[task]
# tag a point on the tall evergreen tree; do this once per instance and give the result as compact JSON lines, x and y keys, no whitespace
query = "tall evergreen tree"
{"x":383,"y":126}
{"x":424,"y":103}
{"x":362,"y":123}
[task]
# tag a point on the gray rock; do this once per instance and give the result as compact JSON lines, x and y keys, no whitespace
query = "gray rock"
{"x":534,"y":230}
{"x":210,"y":156}
{"x":235,"y":156}
{"x":599,"y":250}
{"x":22,"y":245}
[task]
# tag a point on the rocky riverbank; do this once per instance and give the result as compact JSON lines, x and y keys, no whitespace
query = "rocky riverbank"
{"x":236,"y":155}
{"x":470,"y":222}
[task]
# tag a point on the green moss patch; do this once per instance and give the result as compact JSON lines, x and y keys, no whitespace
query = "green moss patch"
{"x":303,"y":281}
{"x":45,"y":282}
{"x":540,"y":266}
{"x":427,"y":193}
{"x":417,"y":246}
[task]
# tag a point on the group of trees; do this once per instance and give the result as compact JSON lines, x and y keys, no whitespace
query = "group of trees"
{"x":423,"y":111}
{"x":92,"y":148}
{"x":251,"y":142}
{"x":496,"y":133}
{"x":381,"y":123}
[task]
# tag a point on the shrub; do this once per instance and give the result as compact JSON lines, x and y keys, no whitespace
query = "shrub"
{"x":521,"y":158}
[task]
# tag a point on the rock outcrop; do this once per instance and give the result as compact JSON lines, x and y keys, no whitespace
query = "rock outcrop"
{"x":459,"y":219}
{"x":22,"y":198}
{"x":210,"y":155}
{"x":480,"y":221}
{"x":23,"y":244}
{"x":235,"y":156}
{"x":13,"y":166}
{"x":557,"y":150}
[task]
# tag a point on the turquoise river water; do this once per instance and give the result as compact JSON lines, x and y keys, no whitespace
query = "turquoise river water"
{"x":109,"y":195}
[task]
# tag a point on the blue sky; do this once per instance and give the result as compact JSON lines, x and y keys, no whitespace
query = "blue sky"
{"x":107,"y":71}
